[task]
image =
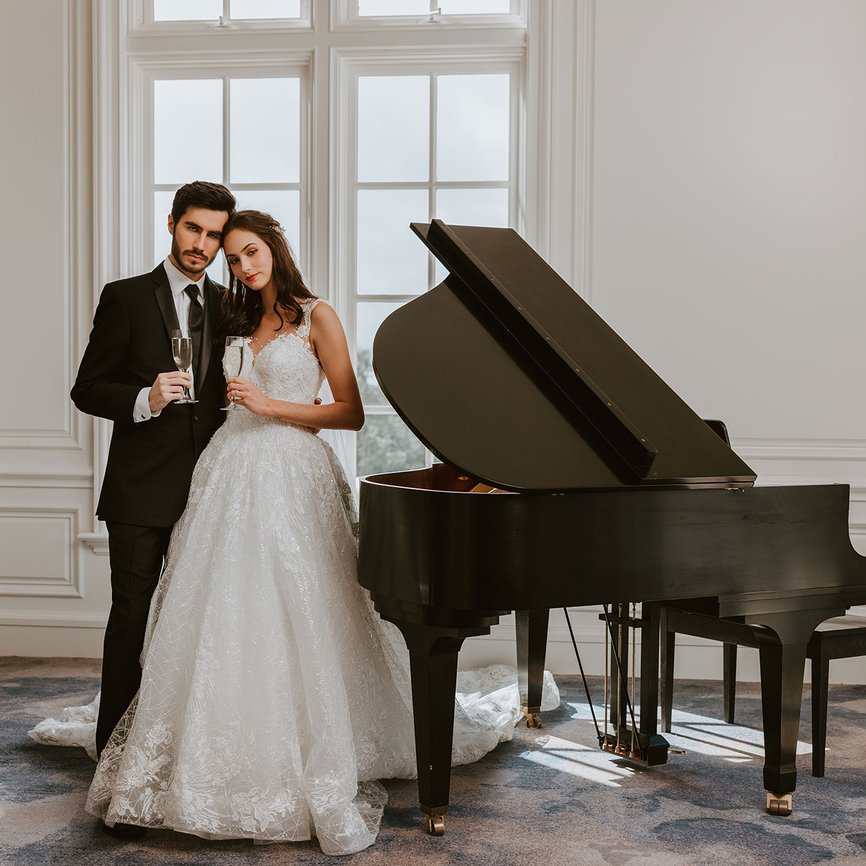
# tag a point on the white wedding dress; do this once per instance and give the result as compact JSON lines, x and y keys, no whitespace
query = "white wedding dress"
{"x":273,"y":697}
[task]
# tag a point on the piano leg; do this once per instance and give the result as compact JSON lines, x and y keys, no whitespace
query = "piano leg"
{"x":654,"y":746}
{"x":531,"y":649}
{"x":433,"y":662}
{"x":782,"y":652}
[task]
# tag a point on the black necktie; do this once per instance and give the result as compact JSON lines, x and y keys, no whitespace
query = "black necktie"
{"x":195,"y":322}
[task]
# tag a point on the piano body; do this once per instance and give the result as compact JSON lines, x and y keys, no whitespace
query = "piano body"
{"x":611,"y":490}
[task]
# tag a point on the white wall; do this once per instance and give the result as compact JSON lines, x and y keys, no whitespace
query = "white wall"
{"x":707,"y":178}
{"x":729,"y":221}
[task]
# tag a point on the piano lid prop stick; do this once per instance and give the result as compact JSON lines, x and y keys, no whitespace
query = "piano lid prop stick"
{"x":633,"y":673}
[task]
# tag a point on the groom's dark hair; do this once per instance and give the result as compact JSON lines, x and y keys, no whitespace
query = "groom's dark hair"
{"x":202,"y":193}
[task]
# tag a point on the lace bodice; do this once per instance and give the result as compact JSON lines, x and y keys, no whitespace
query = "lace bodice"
{"x":286,"y":368}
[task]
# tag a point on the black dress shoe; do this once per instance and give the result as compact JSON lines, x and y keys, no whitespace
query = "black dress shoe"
{"x":124,"y":831}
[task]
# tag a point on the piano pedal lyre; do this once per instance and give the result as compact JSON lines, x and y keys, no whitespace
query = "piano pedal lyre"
{"x":649,"y":749}
{"x":780,"y":804}
{"x":622,"y":747}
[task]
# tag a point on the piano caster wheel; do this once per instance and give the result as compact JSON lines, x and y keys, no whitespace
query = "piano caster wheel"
{"x":533,"y":720}
{"x":436,"y":825}
{"x":780,"y":804}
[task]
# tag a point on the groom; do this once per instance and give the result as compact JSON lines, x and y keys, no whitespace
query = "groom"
{"x":128,"y":375}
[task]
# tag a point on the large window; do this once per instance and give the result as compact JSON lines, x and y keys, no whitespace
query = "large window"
{"x":346,"y":120}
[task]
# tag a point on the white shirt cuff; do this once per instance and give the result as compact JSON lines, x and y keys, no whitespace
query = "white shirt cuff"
{"x":141,"y":410}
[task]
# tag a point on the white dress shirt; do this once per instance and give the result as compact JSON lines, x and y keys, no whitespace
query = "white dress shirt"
{"x":177,"y":282}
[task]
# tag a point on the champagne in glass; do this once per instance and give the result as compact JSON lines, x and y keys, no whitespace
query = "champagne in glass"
{"x":233,"y":362}
{"x":181,"y":349}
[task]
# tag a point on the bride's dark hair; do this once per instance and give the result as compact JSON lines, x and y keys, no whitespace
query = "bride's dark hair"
{"x":242,"y":307}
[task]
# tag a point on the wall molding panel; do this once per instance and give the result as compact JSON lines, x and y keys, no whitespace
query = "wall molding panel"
{"x":40,"y":555}
{"x":16,"y":441}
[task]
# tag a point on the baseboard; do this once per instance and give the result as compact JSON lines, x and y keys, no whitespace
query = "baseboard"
{"x":51,"y":641}
{"x":696,"y":659}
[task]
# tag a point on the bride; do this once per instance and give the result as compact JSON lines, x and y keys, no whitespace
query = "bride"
{"x":273,"y":697}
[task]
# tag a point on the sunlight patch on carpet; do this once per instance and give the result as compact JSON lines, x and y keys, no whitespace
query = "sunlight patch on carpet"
{"x":702,"y":734}
{"x":564,"y":756}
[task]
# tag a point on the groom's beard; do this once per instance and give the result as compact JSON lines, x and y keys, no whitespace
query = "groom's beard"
{"x":190,"y":260}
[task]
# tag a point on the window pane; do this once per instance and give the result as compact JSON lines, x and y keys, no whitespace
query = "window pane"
{"x":265,"y":130}
{"x":369,"y":317}
{"x":470,"y":207}
{"x":472,"y":133}
{"x":265,"y":9}
{"x":393,"y":7}
{"x":393,"y":128}
{"x":475,"y":7}
{"x":284,"y":206}
{"x":187,"y":10}
{"x":385,"y":444}
{"x":391,"y":260}
{"x":473,"y":207}
{"x":187,"y":130}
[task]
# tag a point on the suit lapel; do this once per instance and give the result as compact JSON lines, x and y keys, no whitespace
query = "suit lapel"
{"x":165,"y":300}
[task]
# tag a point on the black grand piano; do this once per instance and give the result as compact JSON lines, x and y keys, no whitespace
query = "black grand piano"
{"x":607,"y":488}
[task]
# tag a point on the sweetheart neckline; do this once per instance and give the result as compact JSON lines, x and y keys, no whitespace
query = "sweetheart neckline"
{"x":304,"y":345}
{"x":249,"y":342}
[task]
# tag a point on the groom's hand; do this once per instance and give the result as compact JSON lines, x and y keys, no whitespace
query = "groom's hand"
{"x":167,"y":388}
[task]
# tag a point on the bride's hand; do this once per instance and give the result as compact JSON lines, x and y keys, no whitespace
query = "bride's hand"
{"x":247,"y":395}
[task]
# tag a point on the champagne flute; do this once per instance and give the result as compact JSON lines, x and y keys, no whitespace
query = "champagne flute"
{"x":233,"y":363}
{"x":181,"y":350}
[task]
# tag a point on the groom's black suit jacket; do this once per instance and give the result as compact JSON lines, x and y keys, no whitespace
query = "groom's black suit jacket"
{"x":150,"y":463}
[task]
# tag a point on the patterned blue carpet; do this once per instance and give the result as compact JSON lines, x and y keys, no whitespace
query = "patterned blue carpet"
{"x":548,"y":797}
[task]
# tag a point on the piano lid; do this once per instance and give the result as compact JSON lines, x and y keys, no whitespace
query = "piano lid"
{"x":505,"y":373}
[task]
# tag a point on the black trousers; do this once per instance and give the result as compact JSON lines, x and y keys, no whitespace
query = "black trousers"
{"x":136,"y":555}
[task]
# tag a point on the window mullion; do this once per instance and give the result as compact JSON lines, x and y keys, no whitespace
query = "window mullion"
{"x":226,"y":129}
{"x":431,"y":170}
{"x":226,"y":144}
{"x":431,"y":179}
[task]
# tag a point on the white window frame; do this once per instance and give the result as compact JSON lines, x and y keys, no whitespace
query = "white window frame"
{"x":345,"y":15}
{"x":125,"y":48}
{"x":557,"y":135}
{"x":143,"y":22}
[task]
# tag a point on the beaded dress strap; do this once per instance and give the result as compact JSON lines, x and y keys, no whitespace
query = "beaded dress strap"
{"x":303,"y":330}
